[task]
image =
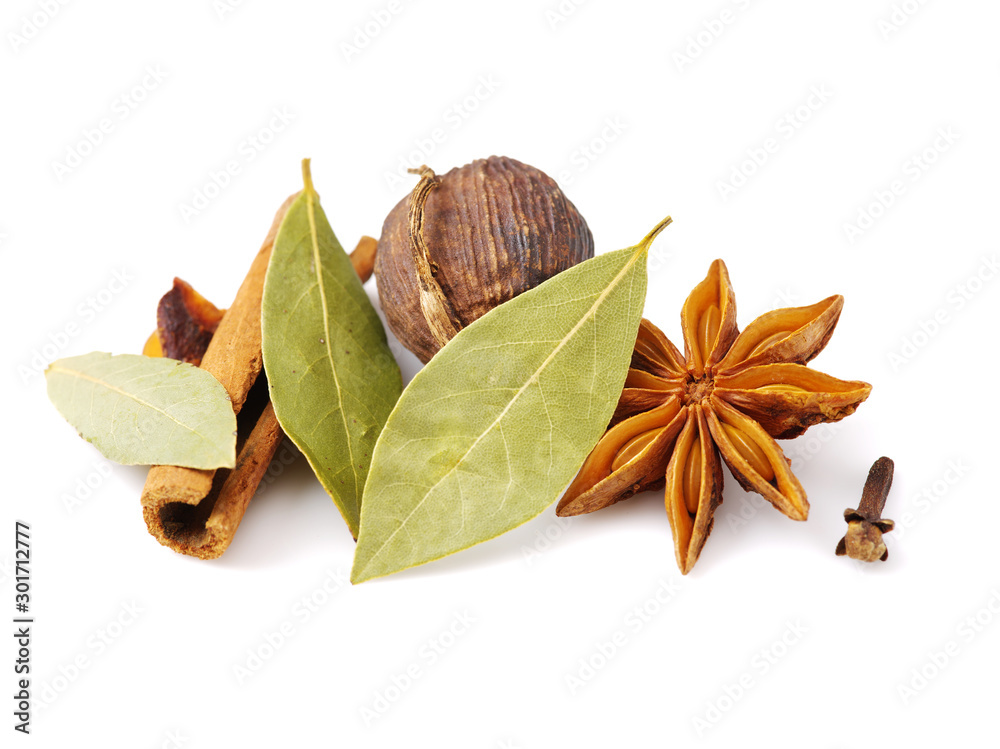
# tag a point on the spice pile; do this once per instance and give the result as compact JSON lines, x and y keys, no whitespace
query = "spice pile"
{"x":537,"y":361}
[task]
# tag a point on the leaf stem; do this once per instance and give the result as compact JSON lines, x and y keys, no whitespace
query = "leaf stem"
{"x":307,"y":176}
{"x":648,"y":239}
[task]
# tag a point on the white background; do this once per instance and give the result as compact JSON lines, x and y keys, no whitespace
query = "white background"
{"x":638,"y":111}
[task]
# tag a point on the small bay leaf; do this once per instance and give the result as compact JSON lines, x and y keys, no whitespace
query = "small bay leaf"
{"x":490,"y":432}
{"x":332,"y":378}
{"x":142,"y":411}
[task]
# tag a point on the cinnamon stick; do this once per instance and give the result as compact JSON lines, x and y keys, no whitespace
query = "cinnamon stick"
{"x":197,"y":512}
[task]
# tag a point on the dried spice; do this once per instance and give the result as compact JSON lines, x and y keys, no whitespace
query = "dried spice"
{"x":865,"y":525}
{"x":488,"y":433}
{"x":730,"y":394}
{"x":465,"y":242}
{"x":363,"y":257}
{"x":209,"y":432}
{"x":330,"y":373}
{"x":197,"y":512}
{"x":185,"y":323}
{"x":137,"y":410}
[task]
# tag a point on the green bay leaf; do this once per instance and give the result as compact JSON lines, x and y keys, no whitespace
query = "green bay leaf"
{"x":491,"y":431}
{"x":332,"y":378}
{"x":139,"y":410}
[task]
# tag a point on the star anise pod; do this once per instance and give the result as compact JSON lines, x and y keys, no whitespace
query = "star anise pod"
{"x":730,"y":394}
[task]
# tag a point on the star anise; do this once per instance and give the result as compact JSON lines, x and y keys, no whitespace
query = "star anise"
{"x":732,"y":394}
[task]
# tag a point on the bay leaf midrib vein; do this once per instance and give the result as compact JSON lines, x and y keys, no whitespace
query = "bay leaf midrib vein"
{"x":318,"y":266}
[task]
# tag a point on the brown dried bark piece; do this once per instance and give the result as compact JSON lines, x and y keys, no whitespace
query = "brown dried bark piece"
{"x":726,"y":399}
{"x":185,"y":323}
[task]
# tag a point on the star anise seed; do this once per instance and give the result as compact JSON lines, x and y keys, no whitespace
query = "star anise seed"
{"x":727,"y":398}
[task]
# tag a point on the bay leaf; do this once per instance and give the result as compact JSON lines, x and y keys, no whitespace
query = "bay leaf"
{"x":331,"y":375}
{"x":491,"y":431}
{"x":139,"y":410}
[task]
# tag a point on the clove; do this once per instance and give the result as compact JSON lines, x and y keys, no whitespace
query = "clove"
{"x":865,"y":525}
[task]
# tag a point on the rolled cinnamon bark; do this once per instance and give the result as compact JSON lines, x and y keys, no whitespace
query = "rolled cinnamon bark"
{"x":197,"y":512}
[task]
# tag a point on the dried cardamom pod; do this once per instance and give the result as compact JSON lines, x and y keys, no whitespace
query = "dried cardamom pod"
{"x":463,"y":243}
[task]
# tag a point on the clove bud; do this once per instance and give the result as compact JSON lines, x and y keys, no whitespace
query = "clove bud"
{"x":865,"y":525}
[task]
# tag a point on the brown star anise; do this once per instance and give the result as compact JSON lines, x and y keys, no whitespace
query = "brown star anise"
{"x":731,"y":393}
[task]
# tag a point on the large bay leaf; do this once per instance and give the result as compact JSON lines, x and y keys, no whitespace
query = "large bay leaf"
{"x":490,"y":432}
{"x":332,"y":378}
{"x":142,"y":411}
